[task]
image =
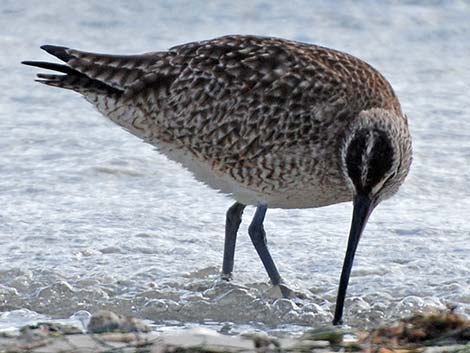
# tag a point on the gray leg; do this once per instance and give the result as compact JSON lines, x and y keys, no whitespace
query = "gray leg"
{"x":232,"y":223}
{"x":258,"y":237}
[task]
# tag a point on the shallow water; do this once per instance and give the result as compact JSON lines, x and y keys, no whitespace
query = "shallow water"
{"x":93,"y":218}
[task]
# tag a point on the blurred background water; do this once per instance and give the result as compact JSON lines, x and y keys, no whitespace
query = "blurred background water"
{"x":92,"y":218}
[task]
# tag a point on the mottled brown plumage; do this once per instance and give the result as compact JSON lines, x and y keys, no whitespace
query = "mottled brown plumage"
{"x":270,"y":121}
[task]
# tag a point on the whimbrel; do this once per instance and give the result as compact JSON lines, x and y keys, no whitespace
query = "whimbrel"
{"x":271,"y":122}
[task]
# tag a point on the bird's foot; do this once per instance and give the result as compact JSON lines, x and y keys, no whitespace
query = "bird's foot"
{"x":337,"y":322}
{"x":226,"y":277}
{"x":281,"y":291}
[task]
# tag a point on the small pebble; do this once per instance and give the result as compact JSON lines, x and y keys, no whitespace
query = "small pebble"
{"x":107,"y":321}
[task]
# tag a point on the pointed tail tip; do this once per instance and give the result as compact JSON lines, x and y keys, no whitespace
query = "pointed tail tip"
{"x":58,"y":51}
{"x":49,"y":48}
{"x":28,"y":62}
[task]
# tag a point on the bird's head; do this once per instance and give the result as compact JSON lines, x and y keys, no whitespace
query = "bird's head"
{"x":376,"y":155}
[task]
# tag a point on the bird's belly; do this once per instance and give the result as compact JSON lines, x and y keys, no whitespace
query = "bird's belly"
{"x":311,"y":193}
{"x":307,"y":198}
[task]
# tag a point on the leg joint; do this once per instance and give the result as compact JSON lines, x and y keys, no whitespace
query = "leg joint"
{"x":234,"y":215}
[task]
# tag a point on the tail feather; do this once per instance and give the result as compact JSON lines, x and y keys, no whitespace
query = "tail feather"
{"x":73,"y":79}
{"x":57,"y":51}
{"x":110,"y":81}
{"x":141,"y":61}
{"x":84,"y":71}
{"x":52,"y":66}
{"x":118,"y":71}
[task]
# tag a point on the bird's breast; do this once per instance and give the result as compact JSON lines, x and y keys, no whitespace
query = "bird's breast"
{"x":279,"y":182}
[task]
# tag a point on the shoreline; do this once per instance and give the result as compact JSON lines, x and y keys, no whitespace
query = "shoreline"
{"x":436,"y":332}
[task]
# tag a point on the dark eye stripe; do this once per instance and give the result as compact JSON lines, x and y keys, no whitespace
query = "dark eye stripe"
{"x":379,"y":160}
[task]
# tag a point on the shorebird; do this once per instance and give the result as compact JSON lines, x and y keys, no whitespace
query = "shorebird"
{"x":274,"y":123}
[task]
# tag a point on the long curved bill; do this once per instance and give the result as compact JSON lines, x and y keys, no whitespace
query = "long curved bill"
{"x":363,"y":207}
